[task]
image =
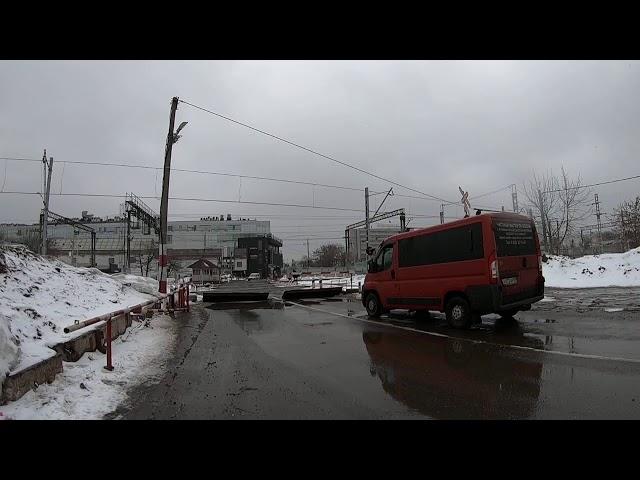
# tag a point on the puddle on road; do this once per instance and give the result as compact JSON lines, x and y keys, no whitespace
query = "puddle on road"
{"x":248,"y":305}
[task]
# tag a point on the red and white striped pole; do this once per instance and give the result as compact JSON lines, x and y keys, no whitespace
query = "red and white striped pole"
{"x":164,"y":202}
{"x":163,"y":269}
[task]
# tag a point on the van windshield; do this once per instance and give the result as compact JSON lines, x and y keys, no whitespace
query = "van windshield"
{"x":514,"y":238}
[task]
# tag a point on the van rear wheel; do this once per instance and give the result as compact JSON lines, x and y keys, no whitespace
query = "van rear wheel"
{"x":372,"y":304}
{"x":458,"y":313}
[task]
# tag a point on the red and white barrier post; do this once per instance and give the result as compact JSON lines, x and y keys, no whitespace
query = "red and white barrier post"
{"x":109,"y":365}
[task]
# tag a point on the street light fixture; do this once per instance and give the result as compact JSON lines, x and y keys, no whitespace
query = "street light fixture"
{"x":176,"y":137}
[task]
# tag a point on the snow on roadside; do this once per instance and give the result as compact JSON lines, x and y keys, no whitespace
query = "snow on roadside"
{"x":85,"y":390}
{"x":8,"y":351}
{"x":141,"y":284}
{"x":40,"y":296}
{"x":606,"y":270}
{"x":327,"y":281}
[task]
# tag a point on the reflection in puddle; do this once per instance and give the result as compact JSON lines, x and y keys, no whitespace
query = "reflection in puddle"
{"x":248,"y":320}
{"x":453,"y":378}
{"x":249,"y":305}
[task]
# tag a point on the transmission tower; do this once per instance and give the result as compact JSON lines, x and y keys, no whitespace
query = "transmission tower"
{"x":599,"y":222}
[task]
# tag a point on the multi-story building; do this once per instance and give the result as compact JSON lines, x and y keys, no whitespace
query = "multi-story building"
{"x":358,"y":241}
{"x":211,"y":238}
{"x":263,"y":255}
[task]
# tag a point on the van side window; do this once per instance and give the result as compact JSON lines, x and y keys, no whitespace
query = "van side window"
{"x":385,"y":258}
{"x":452,"y":245}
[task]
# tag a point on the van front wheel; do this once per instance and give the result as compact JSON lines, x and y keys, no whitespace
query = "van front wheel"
{"x":458,"y":313}
{"x":372,"y":304}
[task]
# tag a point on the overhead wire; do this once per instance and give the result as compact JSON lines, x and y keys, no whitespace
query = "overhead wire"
{"x":186,"y":170}
{"x":194,"y":199}
{"x":348,"y":165}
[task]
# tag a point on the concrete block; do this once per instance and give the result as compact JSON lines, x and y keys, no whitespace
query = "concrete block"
{"x":73,"y":349}
{"x":118,"y":326}
{"x":19,"y":383}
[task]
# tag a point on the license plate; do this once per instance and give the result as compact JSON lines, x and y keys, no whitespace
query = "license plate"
{"x":510,"y":281}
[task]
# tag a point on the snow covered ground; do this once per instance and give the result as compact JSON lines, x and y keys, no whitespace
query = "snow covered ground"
{"x":85,"y":390}
{"x":39,"y":297}
{"x":606,"y":270}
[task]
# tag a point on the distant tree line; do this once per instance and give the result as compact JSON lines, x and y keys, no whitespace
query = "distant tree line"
{"x":328,"y":255}
{"x":626,"y":221}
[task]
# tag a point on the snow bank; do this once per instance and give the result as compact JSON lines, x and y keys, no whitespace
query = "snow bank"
{"x":606,"y":270}
{"x":141,"y":284}
{"x":40,"y":296}
{"x":8,"y":351}
{"x":85,"y":390}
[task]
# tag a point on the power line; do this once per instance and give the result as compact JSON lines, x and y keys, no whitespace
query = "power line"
{"x":106,"y":195}
{"x":593,"y":184}
{"x":311,"y":151}
{"x":186,"y":170}
{"x":252,"y":177}
{"x":252,"y":216}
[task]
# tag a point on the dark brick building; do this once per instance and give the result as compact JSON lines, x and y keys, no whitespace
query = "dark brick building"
{"x":263,"y":255}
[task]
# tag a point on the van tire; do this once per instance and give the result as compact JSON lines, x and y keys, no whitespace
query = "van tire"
{"x":372,"y":304}
{"x":458,"y":313}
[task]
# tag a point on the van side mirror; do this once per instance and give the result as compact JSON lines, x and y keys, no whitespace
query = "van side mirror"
{"x":371,"y":266}
{"x":370,"y":251}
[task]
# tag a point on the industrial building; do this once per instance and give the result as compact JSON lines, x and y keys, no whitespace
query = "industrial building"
{"x":214,"y":238}
{"x":358,"y":241}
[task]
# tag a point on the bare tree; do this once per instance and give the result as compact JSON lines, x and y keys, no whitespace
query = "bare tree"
{"x":559,"y":203}
{"x":33,"y":240}
{"x":146,"y":256}
{"x":542,"y":198}
{"x":626,"y":223}
{"x":173,"y":267}
{"x":573,"y":206}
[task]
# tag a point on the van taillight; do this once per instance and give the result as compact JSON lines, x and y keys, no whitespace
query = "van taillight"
{"x":493,"y":266}
{"x":540,"y":263}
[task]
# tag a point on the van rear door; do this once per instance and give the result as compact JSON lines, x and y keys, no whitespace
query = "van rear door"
{"x":517,"y":252}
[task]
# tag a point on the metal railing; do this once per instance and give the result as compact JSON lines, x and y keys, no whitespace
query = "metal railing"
{"x":182,"y":305}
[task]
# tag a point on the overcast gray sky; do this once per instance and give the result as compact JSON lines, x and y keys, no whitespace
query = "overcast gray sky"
{"x":431,"y":125}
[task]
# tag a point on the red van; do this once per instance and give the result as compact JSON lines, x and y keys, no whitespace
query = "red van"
{"x":488,"y":263}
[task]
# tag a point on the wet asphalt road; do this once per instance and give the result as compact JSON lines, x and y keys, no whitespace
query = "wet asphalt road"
{"x":567,"y":358}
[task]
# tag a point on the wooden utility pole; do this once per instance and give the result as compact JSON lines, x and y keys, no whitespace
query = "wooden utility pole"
{"x":164,"y":202}
{"x":542,"y":219}
{"x":45,"y":215}
{"x":366,"y":218}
